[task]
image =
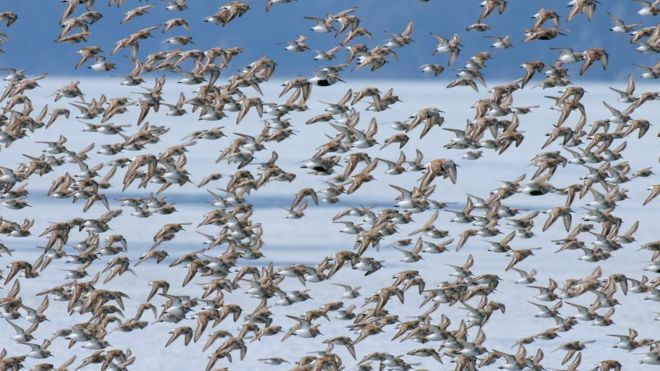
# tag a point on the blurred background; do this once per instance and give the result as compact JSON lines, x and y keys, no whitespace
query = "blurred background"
{"x":31,"y":43}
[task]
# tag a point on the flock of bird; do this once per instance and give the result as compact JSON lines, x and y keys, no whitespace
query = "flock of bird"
{"x":234,"y":257}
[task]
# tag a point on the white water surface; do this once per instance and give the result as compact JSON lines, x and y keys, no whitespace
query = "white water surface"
{"x":313,"y":237}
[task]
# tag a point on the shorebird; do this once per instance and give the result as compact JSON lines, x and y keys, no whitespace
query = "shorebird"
{"x":451,"y":46}
{"x":101,"y":65}
{"x":586,"y":168}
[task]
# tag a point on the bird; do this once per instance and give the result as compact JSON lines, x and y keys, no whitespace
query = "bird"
{"x":451,"y":46}
{"x":227,"y":266}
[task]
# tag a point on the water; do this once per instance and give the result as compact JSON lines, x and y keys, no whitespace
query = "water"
{"x":313,"y":237}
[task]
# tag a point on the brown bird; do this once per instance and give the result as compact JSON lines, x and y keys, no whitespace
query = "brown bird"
{"x":444,"y":167}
